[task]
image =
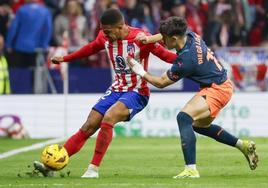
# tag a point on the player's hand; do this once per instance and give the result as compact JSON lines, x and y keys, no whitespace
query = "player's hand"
{"x":136,"y":66}
{"x":57,"y":59}
{"x":142,"y":38}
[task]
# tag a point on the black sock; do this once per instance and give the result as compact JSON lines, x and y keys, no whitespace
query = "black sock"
{"x":218,"y":133}
{"x":188,"y":140}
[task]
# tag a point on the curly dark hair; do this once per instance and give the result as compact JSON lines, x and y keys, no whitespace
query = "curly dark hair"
{"x":173,"y":26}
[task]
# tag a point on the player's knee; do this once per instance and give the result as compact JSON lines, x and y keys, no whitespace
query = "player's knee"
{"x":114,"y":116}
{"x":182,"y":118}
{"x":185,"y":122}
{"x":109,"y":118}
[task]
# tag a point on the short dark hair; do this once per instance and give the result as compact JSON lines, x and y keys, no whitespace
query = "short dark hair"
{"x":111,"y":17}
{"x":173,"y":26}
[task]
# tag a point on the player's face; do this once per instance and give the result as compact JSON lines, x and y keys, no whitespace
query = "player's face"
{"x":112,"y":32}
{"x":170,"y":42}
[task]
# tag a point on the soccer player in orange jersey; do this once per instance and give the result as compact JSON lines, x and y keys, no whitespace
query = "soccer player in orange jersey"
{"x":198,"y":63}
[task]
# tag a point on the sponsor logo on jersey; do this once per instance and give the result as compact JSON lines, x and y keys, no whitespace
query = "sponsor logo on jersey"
{"x":120,"y":61}
{"x":127,"y":71}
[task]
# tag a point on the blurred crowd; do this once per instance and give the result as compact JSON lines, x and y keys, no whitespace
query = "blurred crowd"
{"x":28,"y":26}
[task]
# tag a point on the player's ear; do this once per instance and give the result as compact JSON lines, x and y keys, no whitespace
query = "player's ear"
{"x":174,"y":38}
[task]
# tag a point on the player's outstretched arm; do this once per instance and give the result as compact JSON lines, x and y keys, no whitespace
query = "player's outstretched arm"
{"x":87,"y":50}
{"x":145,"y":39}
{"x":157,"y":81}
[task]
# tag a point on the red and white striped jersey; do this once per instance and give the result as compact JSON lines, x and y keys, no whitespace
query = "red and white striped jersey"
{"x":124,"y":79}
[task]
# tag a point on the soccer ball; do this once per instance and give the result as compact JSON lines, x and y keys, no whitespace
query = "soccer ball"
{"x":55,"y":157}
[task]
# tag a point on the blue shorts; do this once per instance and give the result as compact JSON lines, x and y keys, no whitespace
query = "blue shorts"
{"x":133,"y":101}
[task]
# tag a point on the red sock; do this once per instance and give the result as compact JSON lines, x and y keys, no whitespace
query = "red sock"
{"x":75,"y":142}
{"x":103,"y":140}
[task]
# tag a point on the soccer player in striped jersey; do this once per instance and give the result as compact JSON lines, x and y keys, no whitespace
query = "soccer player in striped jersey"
{"x":128,"y":94}
{"x":198,"y":63}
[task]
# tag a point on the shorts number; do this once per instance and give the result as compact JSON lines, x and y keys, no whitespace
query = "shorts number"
{"x":107,"y":93}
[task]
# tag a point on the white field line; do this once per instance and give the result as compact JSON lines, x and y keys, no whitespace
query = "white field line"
{"x":29,"y":148}
{"x":83,"y":185}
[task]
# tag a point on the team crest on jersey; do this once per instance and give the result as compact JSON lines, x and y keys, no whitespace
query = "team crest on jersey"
{"x":131,"y":50}
{"x":120,"y":61}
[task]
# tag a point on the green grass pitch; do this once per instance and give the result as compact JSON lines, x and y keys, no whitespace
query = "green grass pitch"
{"x":141,"y":162}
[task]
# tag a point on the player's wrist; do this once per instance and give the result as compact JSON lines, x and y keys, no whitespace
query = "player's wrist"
{"x":142,"y":73}
{"x":137,"y":68}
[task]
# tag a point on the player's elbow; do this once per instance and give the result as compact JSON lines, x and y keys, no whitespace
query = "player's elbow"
{"x":160,"y":85}
{"x":159,"y":82}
